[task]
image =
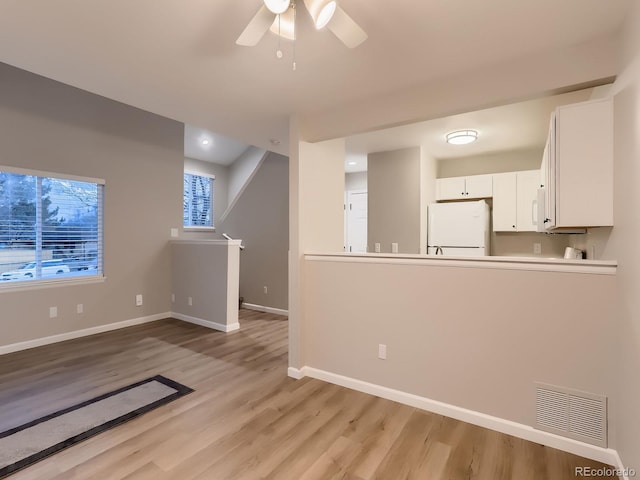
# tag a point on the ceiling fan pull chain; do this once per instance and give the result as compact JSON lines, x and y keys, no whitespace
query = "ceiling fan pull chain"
{"x":295,"y":34}
{"x":279,"y":53}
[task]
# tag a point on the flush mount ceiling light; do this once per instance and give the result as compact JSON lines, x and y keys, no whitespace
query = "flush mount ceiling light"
{"x":280,"y":15}
{"x":352,"y":163}
{"x":462,"y":137}
{"x":205,"y":141}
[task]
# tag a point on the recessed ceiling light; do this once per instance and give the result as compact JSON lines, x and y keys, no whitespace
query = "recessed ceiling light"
{"x":352,"y":163}
{"x":462,"y":137}
{"x":206,"y":141}
{"x":275,"y":141}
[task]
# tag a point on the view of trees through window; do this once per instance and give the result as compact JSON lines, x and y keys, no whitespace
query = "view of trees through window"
{"x":197,"y":207}
{"x":49,"y":227}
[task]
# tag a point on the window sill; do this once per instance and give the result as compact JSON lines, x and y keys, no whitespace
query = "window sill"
{"x":199,"y":229}
{"x":19,"y":286}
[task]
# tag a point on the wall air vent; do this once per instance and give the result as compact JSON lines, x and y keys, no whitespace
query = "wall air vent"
{"x":571,"y":413}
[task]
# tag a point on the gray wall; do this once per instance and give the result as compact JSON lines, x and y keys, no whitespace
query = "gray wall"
{"x":476,"y":338}
{"x":48,"y":126}
{"x":498,"y":162}
{"x":394,"y":196}
{"x":260,"y":217}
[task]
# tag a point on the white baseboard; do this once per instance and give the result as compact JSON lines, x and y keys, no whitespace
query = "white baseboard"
{"x":604,"y":455}
{"x":39,"y":342}
{"x":296,"y":373}
{"x":260,"y":308}
{"x":206,"y":323}
{"x":623,"y":473}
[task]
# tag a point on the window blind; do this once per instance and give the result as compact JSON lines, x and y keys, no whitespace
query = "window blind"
{"x":197,"y":208}
{"x":50,"y":227}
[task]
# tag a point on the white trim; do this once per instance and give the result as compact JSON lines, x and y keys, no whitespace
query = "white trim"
{"x":206,"y":323}
{"x":594,"y":267}
{"x":22,"y":285}
{"x":224,"y":243}
{"x":39,"y":342}
{"x":605,"y":455}
{"x":199,"y":228}
{"x":61,"y":176}
{"x":624,"y":473}
{"x":297,"y":373}
{"x":261,"y":308}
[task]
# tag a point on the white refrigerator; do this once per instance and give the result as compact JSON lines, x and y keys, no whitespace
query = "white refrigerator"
{"x":458,"y":228}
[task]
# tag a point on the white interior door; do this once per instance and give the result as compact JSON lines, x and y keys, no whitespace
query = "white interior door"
{"x":356,"y":215}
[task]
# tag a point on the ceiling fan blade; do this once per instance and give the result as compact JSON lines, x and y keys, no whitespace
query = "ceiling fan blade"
{"x":257,"y":27}
{"x":343,"y":27}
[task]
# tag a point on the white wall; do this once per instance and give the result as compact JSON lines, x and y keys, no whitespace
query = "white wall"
{"x":316,"y":219}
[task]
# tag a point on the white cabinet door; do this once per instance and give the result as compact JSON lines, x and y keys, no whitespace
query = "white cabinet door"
{"x":450,"y":188}
{"x":504,"y":202}
{"x":527,"y":184}
{"x":578,"y":164}
{"x":463,"y":188}
{"x":479,"y":186}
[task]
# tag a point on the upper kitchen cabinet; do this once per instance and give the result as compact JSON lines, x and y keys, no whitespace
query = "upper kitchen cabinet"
{"x":464,"y":188}
{"x":578,"y":168}
{"x":515,"y":201}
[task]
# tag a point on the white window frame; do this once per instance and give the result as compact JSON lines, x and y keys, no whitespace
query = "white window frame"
{"x":204,"y":228}
{"x":64,"y":281}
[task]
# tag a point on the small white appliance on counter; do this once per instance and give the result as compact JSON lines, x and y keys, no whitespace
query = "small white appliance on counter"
{"x":458,"y":228}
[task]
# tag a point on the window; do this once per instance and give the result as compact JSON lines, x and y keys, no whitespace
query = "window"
{"x":50,"y":226}
{"x":197,"y":206}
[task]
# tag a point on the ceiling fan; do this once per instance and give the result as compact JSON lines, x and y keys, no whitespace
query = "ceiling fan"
{"x":279,"y":17}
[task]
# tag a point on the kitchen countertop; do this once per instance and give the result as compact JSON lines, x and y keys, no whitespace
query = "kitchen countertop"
{"x":599,"y":267}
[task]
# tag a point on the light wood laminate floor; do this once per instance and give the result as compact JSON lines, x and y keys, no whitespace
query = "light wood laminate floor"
{"x":246,"y":418}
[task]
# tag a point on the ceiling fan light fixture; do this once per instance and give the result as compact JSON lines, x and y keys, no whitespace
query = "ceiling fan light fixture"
{"x":321,"y":11}
{"x":277,"y":6}
{"x":462,"y":137}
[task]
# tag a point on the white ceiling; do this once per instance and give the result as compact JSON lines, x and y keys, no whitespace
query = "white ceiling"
{"x":519,"y":126}
{"x":179,"y":58}
{"x":218,"y":148}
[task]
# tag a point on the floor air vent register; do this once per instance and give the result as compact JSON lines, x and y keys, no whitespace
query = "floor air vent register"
{"x":571,"y":413}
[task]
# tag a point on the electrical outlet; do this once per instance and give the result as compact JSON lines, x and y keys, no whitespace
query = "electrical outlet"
{"x":266,"y":290}
{"x":377,"y":247}
{"x":53,"y":312}
{"x":394,"y":248}
{"x":537,"y":248}
{"x":190,"y":301}
{"x":139,"y":300}
{"x":382,"y":351}
{"x":80,"y":308}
